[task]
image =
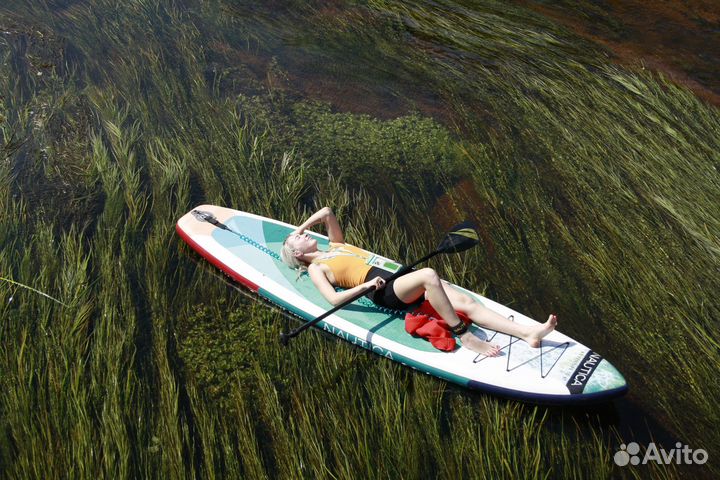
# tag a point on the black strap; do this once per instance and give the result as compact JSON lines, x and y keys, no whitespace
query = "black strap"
{"x":460,"y":328}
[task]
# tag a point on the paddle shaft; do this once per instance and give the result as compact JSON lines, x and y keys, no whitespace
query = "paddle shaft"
{"x":403,"y":271}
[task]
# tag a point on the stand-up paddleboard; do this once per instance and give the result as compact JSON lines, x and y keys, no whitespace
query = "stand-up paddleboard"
{"x":247,"y":248}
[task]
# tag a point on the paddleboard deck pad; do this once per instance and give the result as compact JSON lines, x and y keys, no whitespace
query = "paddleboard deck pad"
{"x":247,"y":248}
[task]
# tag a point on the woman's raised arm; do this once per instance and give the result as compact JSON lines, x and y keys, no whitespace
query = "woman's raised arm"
{"x":324,"y":215}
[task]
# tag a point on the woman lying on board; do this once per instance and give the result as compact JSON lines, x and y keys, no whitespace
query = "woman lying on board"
{"x":347,"y":266}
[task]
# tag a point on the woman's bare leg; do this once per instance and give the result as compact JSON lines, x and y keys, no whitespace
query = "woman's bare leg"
{"x":485,"y":317}
{"x":408,"y":288}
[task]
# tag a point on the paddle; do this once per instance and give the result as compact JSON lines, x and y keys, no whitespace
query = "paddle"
{"x":460,"y":238}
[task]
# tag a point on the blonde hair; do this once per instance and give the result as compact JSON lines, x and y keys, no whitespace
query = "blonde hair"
{"x":289,"y":259}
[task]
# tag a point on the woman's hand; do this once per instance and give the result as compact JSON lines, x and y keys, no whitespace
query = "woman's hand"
{"x":377,"y":282}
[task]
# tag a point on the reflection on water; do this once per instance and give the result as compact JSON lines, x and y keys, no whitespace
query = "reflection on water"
{"x":678,"y":39}
{"x":332,"y":53}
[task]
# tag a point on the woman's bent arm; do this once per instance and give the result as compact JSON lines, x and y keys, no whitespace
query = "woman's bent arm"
{"x":322,"y":283}
{"x":328,"y":291}
{"x":324,"y":215}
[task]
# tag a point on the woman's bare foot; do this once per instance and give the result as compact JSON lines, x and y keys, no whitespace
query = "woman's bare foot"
{"x":541,"y":331}
{"x":482,"y":347}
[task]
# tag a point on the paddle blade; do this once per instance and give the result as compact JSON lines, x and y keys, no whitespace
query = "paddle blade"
{"x":459,"y":238}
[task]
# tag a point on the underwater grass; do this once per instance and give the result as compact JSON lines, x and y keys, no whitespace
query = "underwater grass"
{"x":590,"y":184}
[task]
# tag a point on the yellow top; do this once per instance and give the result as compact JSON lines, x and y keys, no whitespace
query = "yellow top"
{"x":348,"y":264}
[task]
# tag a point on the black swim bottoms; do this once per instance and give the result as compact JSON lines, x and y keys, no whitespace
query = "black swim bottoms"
{"x":386,"y":297}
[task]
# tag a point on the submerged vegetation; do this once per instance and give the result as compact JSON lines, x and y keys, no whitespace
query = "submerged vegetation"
{"x":595,"y":187}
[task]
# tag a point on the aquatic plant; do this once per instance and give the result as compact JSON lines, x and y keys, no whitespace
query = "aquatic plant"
{"x":594,"y":187}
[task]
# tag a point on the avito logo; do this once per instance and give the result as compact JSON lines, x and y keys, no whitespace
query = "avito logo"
{"x":681,"y":455}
